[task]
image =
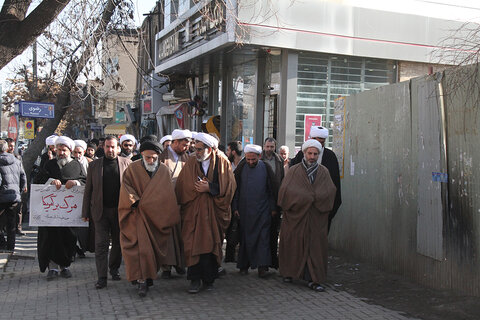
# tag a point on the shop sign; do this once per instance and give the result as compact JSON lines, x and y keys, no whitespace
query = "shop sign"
{"x":168,"y":46}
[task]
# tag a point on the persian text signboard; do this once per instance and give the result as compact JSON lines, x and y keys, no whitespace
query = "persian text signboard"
{"x":36,"y":109}
{"x":50,"y":207}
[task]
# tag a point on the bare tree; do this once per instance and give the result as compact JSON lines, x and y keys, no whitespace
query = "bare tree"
{"x":72,"y":45}
{"x":18,"y":30}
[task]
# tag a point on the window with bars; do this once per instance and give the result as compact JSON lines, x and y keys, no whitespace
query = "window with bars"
{"x":322,"y":78}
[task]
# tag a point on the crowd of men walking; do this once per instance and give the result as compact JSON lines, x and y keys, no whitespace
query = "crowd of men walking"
{"x":170,"y":204}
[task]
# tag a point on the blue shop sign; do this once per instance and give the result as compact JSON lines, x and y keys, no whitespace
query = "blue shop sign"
{"x":36,"y":109}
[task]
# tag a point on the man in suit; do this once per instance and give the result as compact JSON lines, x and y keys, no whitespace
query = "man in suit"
{"x":100,"y":203}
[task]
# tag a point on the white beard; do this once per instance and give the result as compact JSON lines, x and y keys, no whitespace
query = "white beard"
{"x":150,"y":167}
{"x":205,"y":157}
{"x":62,"y":162}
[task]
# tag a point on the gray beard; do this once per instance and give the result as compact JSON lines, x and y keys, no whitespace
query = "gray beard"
{"x":150,"y":167}
{"x":62,"y":162}
{"x":308,"y":164}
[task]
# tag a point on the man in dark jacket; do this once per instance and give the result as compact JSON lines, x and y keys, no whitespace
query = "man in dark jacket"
{"x":13,"y":183}
{"x":270,"y":156}
{"x":328,"y":159}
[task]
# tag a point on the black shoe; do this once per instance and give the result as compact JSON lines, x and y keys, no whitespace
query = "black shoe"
{"x":262,"y":272}
{"x":115,"y":275}
{"x":19,"y":233}
{"x":149,"y":282}
{"x":195,"y":286}
{"x":243,"y":272}
{"x":287,"y":279}
{"x":179,"y":270}
{"x":142,"y":289}
{"x":208,"y":286}
{"x":316,"y":287}
{"x":222,"y":271}
{"x":65,"y":273}
{"x":52,"y":274}
{"x":101,"y":283}
{"x":166,"y":275}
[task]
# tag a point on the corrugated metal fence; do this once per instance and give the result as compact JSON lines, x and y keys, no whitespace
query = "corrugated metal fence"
{"x":410,"y":197}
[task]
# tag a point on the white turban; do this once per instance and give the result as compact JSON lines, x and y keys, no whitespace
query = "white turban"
{"x":252,"y":148}
{"x":207,"y":139}
{"x":312,"y":143}
{"x":318,"y":132}
{"x":66,"y":141}
{"x":126,"y":137}
{"x":194,"y":133}
{"x":165,"y":138}
{"x":80,"y":143}
{"x":50,"y":141}
{"x":179,"y":134}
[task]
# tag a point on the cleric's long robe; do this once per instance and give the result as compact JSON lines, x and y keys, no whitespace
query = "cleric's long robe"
{"x":145,"y":230}
{"x":205,"y":217}
{"x":57,"y":244}
{"x":255,"y":202}
{"x":303,"y":240}
{"x":175,"y":255}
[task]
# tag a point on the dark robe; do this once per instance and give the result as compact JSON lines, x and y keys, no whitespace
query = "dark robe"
{"x":329,"y":160}
{"x":57,"y":244}
{"x":303,"y":240}
{"x":255,"y":201}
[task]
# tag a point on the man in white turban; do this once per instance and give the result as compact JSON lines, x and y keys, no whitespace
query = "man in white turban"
{"x":50,"y":153}
{"x":174,"y":157}
{"x":255,"y":204}
{"x":204,"y":188}
{"x":328,"y":159}
{"x":128,"y":143}
{"x":306,"y":197}
{"x":166,"y":141}
{"x":56,"y":245}
{"x":79,"y":154}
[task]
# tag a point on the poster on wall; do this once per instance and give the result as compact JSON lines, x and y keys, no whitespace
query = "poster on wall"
{"x":29,"y":130}
{"x":311,"y":120}
{"x":338,"y":145}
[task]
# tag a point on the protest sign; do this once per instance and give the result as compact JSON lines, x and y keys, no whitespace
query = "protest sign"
{"x":50,"y":207}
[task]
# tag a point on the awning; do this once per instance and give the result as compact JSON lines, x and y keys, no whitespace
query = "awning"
{"x":169,"y":109}
{"x":116,"y":128}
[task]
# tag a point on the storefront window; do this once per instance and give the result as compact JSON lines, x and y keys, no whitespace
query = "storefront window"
{"x":242,"y":122}
{"x":322,"y":78}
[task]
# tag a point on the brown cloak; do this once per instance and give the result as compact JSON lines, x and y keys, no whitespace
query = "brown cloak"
{"x":175,"y":255}
{"x":145,"y":230}
{"x":303,"y":236}
{"x":205,"y":217}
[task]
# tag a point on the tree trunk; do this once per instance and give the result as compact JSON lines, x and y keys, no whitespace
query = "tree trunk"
{"x":63,"y":98}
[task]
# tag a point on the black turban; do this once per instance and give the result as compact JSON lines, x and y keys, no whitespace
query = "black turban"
{"x":150,"y":145}
{"x":150,"y":137}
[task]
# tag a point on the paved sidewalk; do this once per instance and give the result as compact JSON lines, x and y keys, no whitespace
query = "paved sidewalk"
{"x":25,"y":294}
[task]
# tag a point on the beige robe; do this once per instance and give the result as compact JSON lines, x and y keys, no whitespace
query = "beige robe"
{"x":175,"y":254}
{"x":303,"y":236}
{"x":204,"y":217}
{"x":145,"y":230}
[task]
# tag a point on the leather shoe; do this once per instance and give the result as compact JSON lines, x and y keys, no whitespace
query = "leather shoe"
{"x":52,"y":274}
{"x":166,"y":275}
{"x":179,"y":270}
{"x":195,"y":286}
{"x":243,"y":272}
{"x":221,"y":271}
{"x":208,"y":286}
{"x":101,"y":283}
{"x":115,"y":275}
{"x":262,"y":272}
{"x":142,"y":289}
{"x":65,"y":273}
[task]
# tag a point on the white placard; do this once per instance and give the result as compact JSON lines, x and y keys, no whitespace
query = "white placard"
{"x":50,"y":207}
